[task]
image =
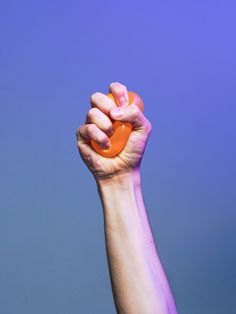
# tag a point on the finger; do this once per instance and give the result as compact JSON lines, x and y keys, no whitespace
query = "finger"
{"x":89,"y":132}
{"x":133,"y":115}
{"x":102,"y":102}
{"x":102,"y":121}
{"x":120,"y":93}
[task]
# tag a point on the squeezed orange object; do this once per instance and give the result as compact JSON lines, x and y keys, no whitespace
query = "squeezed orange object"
{"x":121,"y":131}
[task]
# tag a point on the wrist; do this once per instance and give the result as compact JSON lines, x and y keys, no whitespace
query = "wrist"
{"x":122,"y":181}
{"x":122,"y":202}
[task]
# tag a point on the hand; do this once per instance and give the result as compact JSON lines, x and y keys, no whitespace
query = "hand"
{"x":98,"y":126}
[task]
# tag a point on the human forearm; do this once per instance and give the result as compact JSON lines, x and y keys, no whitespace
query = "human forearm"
{"x":138,"y":281}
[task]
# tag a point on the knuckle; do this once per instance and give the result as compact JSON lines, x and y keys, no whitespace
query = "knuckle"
{"x":94,"y":97}
{"x":118,"y":88}
{"x":91,"y":128}
{"x":78,"y":133}
{"x":79,"y":145}
{"x":121,"y":90}
{"x":114,"y":84}
{"x":149,"y":126}
{"x":92,"y":112}
{"x":136,"y":111}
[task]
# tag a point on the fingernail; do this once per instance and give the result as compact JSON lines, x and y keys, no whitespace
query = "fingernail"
{"x":110,"y":132}
{"x":107,"y":144}
{"x":117,"y":112}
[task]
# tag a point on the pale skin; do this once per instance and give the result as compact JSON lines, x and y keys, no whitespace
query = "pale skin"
{"x":139,"y":284}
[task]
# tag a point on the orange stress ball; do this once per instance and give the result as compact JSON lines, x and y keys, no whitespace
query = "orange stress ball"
{"x":121,"y":131}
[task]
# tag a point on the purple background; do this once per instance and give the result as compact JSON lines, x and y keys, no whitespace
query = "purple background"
{"x":180,"y":57}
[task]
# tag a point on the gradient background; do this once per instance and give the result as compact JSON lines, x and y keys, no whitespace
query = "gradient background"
{"x":180,"y":57}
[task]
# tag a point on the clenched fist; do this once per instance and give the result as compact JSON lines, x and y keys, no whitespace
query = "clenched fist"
{"x":98,"y":127}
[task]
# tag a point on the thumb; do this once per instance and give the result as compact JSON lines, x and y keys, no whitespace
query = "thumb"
{"x":133,"y":115}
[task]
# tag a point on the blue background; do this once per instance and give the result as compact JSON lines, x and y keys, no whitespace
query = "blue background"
{"x":180,"y":57}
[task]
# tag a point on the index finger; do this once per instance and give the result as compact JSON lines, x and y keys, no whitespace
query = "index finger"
{"x":120,"y":93}
{"x":102,"y":102}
